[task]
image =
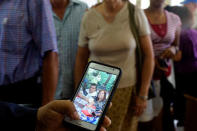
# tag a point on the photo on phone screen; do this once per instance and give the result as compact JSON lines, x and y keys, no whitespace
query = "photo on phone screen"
{"x":93,"y":94}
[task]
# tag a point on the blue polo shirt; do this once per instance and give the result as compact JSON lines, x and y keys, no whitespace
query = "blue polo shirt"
{"x":67,"y":31}
{"x":26,"y":33}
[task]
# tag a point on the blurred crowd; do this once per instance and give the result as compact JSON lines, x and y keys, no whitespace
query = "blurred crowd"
{"x":45,"y":46}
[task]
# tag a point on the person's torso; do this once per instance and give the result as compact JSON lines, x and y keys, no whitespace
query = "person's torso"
{"x":19,"y":56}
{"x":113,"y":43}
{"x":91,"y":94}
{"x":67,"y":31}
{"x":162,"y":43}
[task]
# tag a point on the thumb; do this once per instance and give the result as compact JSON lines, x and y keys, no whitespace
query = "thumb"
{"x":65,"y":107}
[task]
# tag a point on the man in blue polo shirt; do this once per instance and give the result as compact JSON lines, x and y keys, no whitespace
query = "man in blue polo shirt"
{"x":67,"y":15}
{"x":28,"y":49}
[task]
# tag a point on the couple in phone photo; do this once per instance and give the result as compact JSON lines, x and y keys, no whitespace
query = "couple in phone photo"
{"x":90,"y":102}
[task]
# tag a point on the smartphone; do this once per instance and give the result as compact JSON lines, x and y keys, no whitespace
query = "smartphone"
{"x":94,"y":94}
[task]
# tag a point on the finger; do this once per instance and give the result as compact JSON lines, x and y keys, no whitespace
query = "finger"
{"x":102,"y":129}
{"x":163,"y":55}
{"x":168,"y":54}
{"x":65,"y":107}
{"x":139,"y":110}
{"x":110,"y":105}
{"x":136,"y":112}
{"x":106,"y":122}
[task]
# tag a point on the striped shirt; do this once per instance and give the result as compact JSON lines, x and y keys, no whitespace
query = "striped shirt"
{"x":26,"y":33}
{"x":162,"y":43}
{"x":67,"y":31}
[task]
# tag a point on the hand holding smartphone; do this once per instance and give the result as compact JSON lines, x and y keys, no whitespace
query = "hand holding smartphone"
{"x":94,"y":94}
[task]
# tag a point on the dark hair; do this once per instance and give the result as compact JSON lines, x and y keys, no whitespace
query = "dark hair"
{"x":104,"y":98}
{"x":93,"y":84}
{"x":184,"y":14}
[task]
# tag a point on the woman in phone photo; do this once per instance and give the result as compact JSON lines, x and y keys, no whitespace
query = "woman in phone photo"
{"x":100,"y":102}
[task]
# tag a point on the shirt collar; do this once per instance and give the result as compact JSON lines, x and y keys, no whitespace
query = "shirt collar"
{"x":74,"y":2}
{"x":71,"y":3}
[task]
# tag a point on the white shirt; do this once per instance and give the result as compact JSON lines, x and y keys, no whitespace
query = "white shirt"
{"x":113,"y":43}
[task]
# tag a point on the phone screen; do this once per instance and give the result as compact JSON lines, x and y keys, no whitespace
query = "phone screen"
{"x":92,"y":96}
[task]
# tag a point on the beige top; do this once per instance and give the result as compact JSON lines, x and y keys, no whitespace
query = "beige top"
{"x":113,"y":43}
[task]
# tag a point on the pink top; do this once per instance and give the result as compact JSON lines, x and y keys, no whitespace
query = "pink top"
{"x":162,"y":43}
{"x":160,"y":29}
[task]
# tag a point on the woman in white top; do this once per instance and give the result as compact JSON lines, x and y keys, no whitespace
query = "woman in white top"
{"x":105,"y":36}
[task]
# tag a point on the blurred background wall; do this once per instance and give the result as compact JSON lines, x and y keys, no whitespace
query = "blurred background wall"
{"x":143,"y":4}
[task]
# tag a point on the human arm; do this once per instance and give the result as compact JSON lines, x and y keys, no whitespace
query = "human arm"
{"x":83,"y":97}
{"x":15,"y":117}
{"x":173,"y":51}
{"x":50,"y":117}
{"x":46,"y":118}
{"x":42,"y":29}
{"x":50,"y":76}
{"x":178,"y":53}
{"x":80,"y":63}
{"x":148,"y":64}
{"x":83,"y":52}
{"x":147,"y":71}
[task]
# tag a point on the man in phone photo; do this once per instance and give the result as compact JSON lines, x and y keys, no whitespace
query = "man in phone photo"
{"x":91,"y":93}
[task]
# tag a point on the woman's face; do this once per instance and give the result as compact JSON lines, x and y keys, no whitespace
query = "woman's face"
{"x":101,"y":95}
{"x":157,"y":3}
